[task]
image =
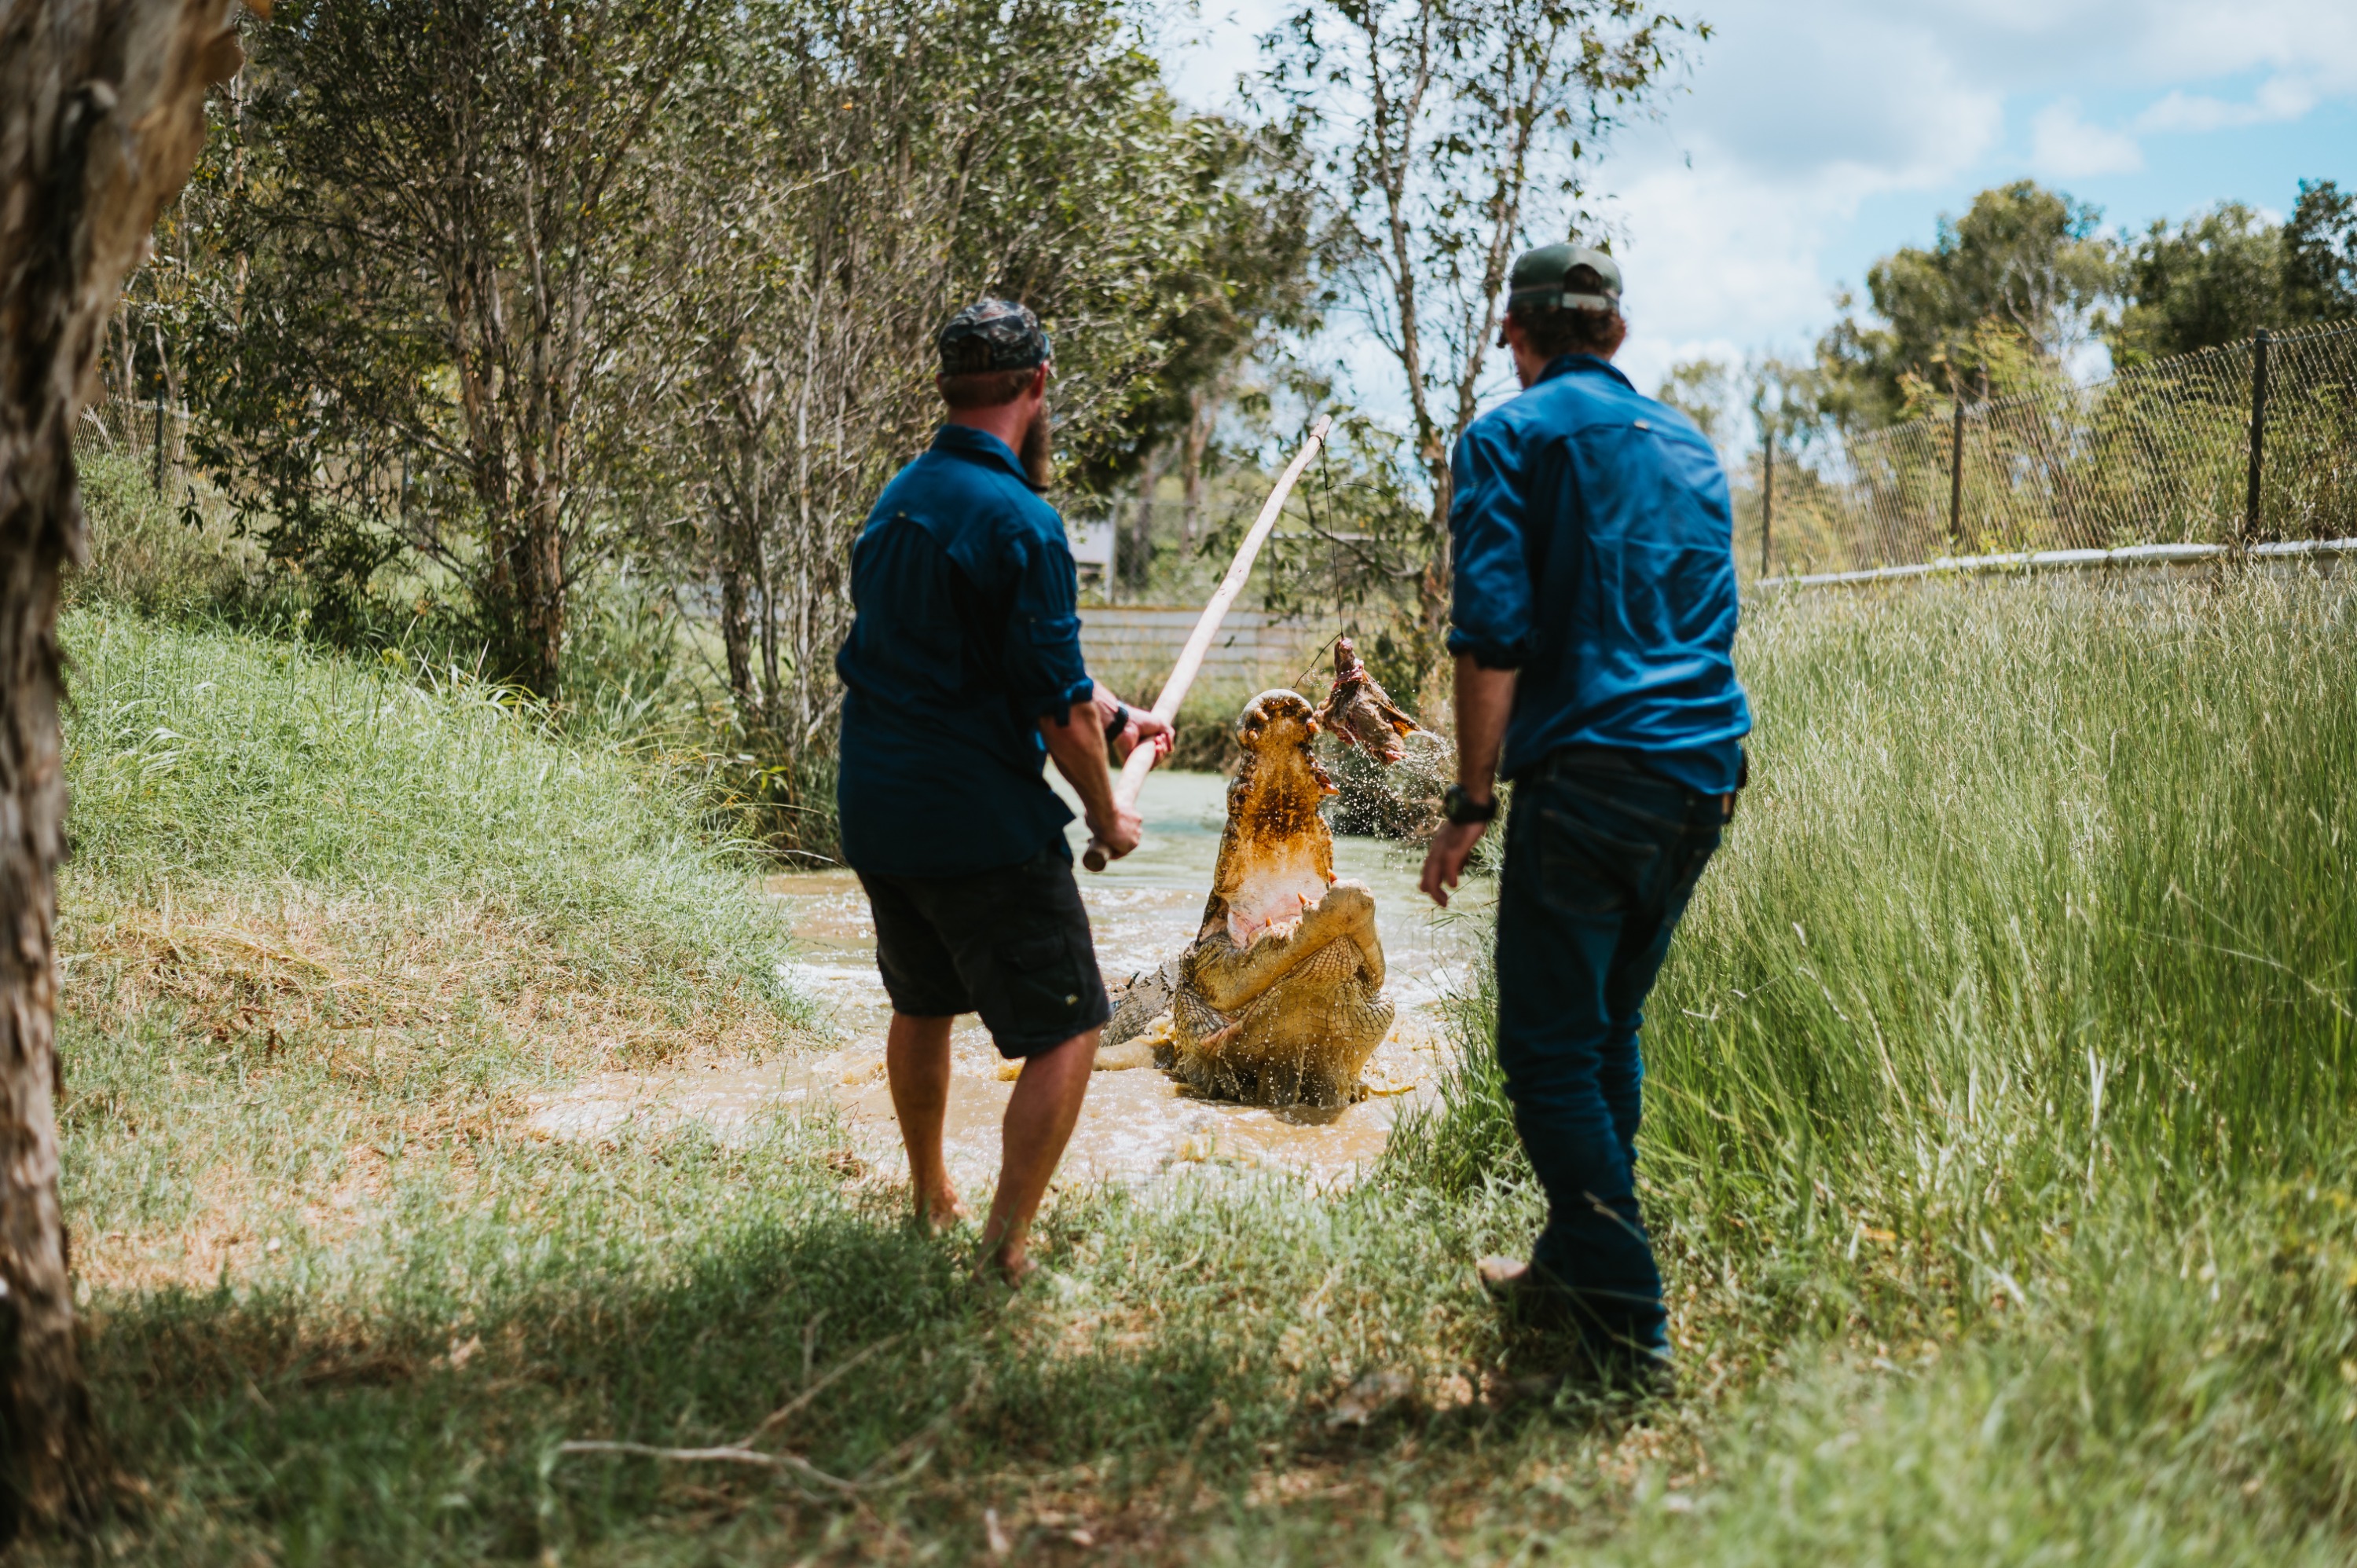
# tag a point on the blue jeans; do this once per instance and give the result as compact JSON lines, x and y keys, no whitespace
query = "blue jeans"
{"x":1601,"y":857}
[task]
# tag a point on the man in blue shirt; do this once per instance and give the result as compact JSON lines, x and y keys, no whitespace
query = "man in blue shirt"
{"x":963,"y":674}
{"x":1594,"y":627}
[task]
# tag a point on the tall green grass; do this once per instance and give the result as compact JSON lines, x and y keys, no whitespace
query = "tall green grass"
{"x":203,"y":758}
{"x":2018,"y":1012}
{"x":1999,"y":1149}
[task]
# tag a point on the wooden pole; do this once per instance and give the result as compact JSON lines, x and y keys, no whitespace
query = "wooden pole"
{"x":1767,"y":492}
{"x":1198,"y":642}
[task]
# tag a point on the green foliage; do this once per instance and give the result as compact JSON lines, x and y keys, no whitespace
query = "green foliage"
{"x":665,"y":295}
{"x":2220,"y":275}
{"x":1240,"y":285}
{"x":2320,"y":254}
{"x":199,"y":759}
{"x":1355,"y":550}
{"x":179,"y":563}
{"x":2024,"y":264}
{"x":410,"y":345}
{"x":2214,"y":279}
{"x":1999,"y":1149}
{"x":1769,"y":398}
{"x":2006,"y":291}
{"x":1700,"y":390}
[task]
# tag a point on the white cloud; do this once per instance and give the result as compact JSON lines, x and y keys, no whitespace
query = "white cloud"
{"x":2065,"y":146}
{"x":1801,"y":114}
{"x":2278,"y":98}
{"x":1844,"y":93}
{"x":2311,"y":41}
{"x":1729,"y":214}
{"x":1795,"y":117}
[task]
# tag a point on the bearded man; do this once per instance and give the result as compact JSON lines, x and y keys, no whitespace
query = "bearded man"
{"x":963,"y":672}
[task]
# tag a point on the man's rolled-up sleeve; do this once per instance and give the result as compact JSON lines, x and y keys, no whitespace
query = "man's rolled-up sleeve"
{"x":1045,"y":672}
{"x":1490,"y":619}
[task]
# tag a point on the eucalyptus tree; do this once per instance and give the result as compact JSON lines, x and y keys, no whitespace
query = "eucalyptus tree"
{"x":2319,"y":241}
{"x":1453,"y":132}
{"x":2220,"y":275}
{"x":434,"y":219}
{"x":101,"y":112}
{"x":837,"y":179}
{"x":1235,"y":299}
{"x":2023,"y":273}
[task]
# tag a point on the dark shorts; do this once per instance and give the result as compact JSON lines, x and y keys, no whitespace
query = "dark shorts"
{"x":1011,"y":944}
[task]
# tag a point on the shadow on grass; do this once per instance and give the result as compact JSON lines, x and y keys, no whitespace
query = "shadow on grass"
{"x":412,"y":1428}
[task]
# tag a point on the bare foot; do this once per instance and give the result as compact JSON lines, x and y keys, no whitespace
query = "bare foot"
{"x":1010,"y":1269}
{"x":940,"y":1211}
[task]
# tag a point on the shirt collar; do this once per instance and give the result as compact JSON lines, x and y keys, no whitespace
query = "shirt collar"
{"x":981,"y":444}
{"x":1565,"y":364}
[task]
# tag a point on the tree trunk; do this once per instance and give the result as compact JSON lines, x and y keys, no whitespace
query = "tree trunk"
{"x":1140,"y":565}
{"x":1202,"y":418}
{"x":542,"y":589}
{"x":737,"y":636}
{"x":1434,"y":587}
{"x":102,"y":115}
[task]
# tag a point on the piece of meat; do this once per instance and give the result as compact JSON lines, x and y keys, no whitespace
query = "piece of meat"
{"x":1361,"y":712}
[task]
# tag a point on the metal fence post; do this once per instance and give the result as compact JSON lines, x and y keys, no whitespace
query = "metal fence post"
{"x":1956,"y":479}
{"x":1766,"y":494}
{"x":159,"y":443}
{"x":2258,"y":434}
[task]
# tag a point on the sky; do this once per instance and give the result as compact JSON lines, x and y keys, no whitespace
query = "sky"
{"x":1813,"y":136}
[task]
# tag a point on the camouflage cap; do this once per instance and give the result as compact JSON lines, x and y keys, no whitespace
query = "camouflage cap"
{"x":993,"y":335}
{"x":1557,"y":275}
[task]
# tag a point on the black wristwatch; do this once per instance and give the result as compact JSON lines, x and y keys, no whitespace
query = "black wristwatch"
{"x":1119,"y":723}
{"x":1463,"y":810}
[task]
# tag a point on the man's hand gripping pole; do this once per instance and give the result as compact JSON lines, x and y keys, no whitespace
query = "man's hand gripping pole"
{"x":1198,"y":643}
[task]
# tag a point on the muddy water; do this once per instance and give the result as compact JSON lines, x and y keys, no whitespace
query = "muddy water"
{"x":1138,"y":1124}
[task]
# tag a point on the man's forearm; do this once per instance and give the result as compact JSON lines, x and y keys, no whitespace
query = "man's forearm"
{"x":1077,"y":744}
{"x":1484,"y":699}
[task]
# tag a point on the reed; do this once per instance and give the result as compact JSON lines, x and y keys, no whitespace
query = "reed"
{"x":1999,"y":1147}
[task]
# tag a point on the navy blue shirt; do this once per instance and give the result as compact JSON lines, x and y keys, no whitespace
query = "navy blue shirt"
{"x":966,"y":633}
{"x":1593,"y":550}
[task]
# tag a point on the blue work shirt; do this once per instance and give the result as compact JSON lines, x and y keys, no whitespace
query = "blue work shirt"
{"x":1594,"y":552}
{"x":966,"y":633}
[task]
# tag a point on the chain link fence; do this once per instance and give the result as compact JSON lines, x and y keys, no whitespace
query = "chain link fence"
{"x":2249,"y":446}
{"x":153,"y":433}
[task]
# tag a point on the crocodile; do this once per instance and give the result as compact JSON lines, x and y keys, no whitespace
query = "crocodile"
{"x":1280,"y":999}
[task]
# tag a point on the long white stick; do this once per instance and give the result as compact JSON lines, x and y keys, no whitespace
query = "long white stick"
{"x":1198,"y":643}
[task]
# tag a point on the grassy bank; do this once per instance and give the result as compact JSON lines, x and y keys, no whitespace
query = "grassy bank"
{"x":361,"y":908}
{"x":2000,"y":1144}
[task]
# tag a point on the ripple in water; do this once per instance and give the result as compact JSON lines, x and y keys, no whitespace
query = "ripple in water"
{"x":1137,"y":1125}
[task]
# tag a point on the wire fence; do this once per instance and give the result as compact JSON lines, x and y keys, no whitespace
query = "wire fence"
{"x":2252,"y":444}
{"x":153,"y":433}
{"x":2251,"y":447}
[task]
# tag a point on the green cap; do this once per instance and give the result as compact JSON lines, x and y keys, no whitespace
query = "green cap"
{"x":1574,"y":275}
